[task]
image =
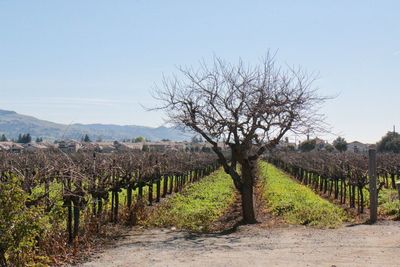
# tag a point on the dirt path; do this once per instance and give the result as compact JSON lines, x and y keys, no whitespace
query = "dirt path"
{"x":361,"y":245}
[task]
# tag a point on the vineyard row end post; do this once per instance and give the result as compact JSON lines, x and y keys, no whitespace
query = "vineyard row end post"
{"x":372,"y":184}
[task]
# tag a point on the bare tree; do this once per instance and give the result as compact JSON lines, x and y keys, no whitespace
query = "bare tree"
{"x":250,"y":108}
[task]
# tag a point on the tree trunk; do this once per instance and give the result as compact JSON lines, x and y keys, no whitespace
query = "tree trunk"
{"x":247,"y":192}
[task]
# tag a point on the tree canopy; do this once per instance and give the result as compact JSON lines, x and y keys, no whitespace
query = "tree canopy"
{"x":3,"y":138}
{"x":24,"y":138}
{"x":308,"y":145}
{"x":340,"y":144}
{"x":389,"y":143}
{"x":247,"y":107}
{"x":86,"y":139}
{"x":139,"y":139}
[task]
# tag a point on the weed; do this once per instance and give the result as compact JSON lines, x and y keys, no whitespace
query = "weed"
{"x":296,"y":203}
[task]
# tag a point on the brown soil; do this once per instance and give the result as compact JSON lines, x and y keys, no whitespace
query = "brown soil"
{"x":231,"y":219}
{"x":270,"y":243}
{"x":359,"y":245}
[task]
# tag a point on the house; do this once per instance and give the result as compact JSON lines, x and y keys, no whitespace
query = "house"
{"x":87,"y":146}
{"x":124,"y":146}
{"x":156,"y":146}
{"x":357,"y":147}
{"x":16,"y":148}
{"x":69,"y":146}
{"x":104,"y":147}
{"x":164,"y":146}
{"x":11,"y":147}
{"x":134,"y":146}
{"x":32,"y":147}
{"x":319,"y":143}
{"x":5,"y":146}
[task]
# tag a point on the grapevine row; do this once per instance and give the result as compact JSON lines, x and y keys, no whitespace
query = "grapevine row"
{"x":343,"y":176}
{"x":91,"y":182}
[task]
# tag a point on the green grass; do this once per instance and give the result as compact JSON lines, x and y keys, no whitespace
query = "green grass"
{"x":388,"y":200}
{"x":296,"y":203}
{"x":197,"y":206}
{"x":389,"y":203}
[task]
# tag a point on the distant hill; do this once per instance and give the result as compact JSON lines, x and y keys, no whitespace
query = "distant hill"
{"x":12,"y":124}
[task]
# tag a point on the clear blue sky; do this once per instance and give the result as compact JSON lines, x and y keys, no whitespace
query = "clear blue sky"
{"x":95,"y":61}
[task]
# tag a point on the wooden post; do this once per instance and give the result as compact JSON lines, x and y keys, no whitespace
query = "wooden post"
{"x":373,"y":196}
{"x":129,"y":196}
{"x":76,"y":217}
{"x":398,"y":188}
{"x":158,"y":188}
{"x":177,"y":176}
{"x":140,"y":190}
{"x":99,"y":205}
{"x":69,"y":222}
{"x":171,"y":184}
{"x":116,"y":206}
{"x":165,"y":186}
{"x":151,"y":193}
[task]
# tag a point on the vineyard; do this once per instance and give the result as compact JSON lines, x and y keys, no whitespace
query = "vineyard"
{"x":344,"y":177}
{"x":49,"y":200}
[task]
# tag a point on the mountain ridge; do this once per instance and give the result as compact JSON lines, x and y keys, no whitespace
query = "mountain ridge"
{"x":12,"y":124}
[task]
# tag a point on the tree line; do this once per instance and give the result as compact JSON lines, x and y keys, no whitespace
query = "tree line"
{"x":389,"y":143}
{"x":22,"y":139}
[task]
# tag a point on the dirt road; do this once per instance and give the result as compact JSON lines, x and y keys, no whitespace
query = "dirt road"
{"x":360,"y":245}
